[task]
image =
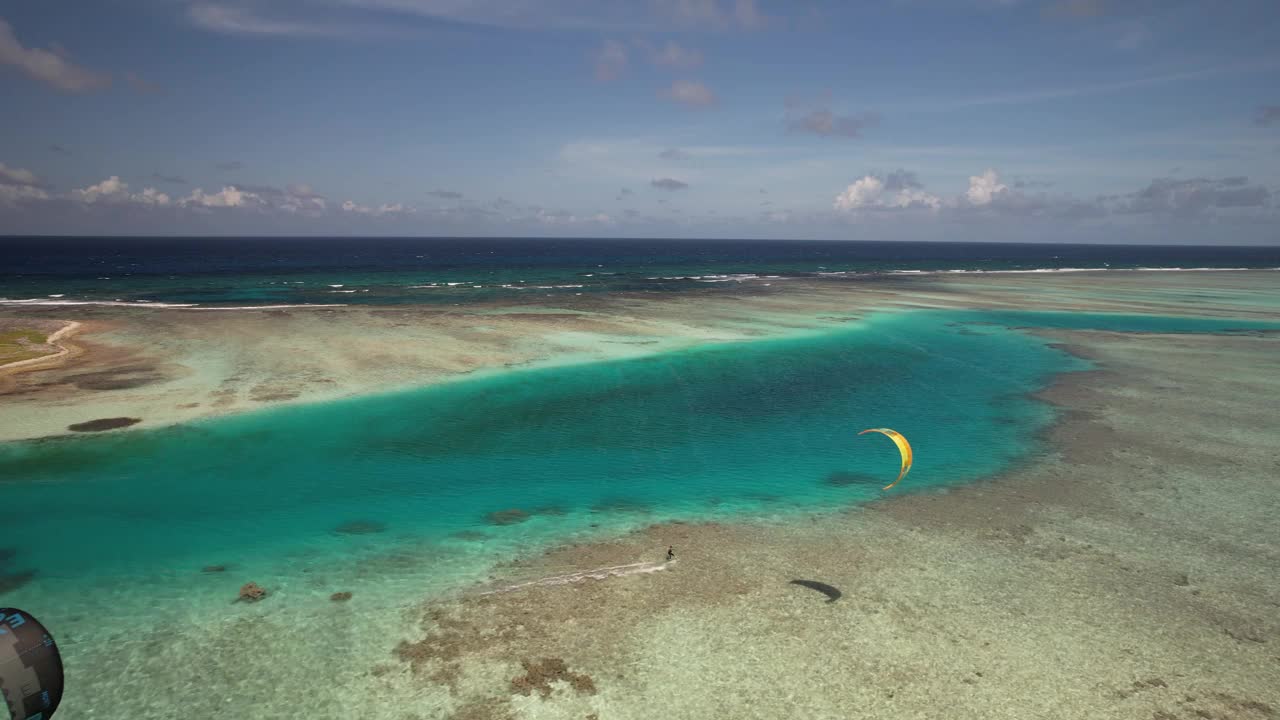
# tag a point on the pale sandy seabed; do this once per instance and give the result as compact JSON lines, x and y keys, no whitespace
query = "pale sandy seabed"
{"x":1132,"y":573}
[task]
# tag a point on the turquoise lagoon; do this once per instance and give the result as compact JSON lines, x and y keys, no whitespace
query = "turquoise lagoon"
{"x":117,"y":528}
{"x":727,"y":428}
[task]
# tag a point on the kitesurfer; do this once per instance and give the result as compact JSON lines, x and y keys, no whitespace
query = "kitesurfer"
{"x":904,"y":448}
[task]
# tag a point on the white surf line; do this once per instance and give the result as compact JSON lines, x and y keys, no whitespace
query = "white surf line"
{"x":596,"y":574}
{"x":1066,"y":270}
{"x":212,"y":308}
{"x":70,"y":327}
{"x":103,"y":303}
{"x":39,"y":302}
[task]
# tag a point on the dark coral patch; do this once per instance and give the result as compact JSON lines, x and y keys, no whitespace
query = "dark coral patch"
{"x":104,"y":424}
{"x":251,"y":592}
{"x":539,"y":676}
{"x":121,"y":378}
{"x":507,"y":517}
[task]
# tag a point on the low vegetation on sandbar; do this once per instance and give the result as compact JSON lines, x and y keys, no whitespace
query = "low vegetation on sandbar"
{"x":22,"y":343}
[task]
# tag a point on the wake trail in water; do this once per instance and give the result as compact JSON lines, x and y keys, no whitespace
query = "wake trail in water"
{"x":638,"y":568}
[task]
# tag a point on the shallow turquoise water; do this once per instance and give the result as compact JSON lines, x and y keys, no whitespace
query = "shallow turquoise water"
{"x":117,"y":527}
{"x":734,"y":427}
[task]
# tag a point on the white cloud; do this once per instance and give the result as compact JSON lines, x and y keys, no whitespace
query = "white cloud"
{"x":711,"y":14}
{"x":335,"y":17}
{"x":228,"y":197}
{"x":303,"y":191}
{"x":915,"y":197}
{"x":302,"y":199}
{"x":987,"y":199}
{"x":53,"y":67}
{"x":862,"y":193}
{"x":894,"y":191}
{"x":264,"y":203}
{"x":384,"y":209}
{"x":16,"y":194}
{"x":984,"y":188}
{"x":1193,"y":196}
{"x":115,"y":190}
{"x":564,"y":217}
{"x":692,"y":94}
{"x":610,"y":60}
{"x":151,"y":196}
{"x":17,"y":176}
{"x":233,"y":20}
{"x":111,"y":187}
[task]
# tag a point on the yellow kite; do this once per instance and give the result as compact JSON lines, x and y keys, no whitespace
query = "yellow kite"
{"x":903,"y":447}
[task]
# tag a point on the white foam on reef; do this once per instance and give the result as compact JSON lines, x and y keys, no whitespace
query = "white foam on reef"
{"x":108,"y":303}
{"x":737,"y":277}
{"x":1067,"y":270}
{"x":156,"y":305}
{"x":711,"y":278}
{"x":1031,"y":270}
{"x":273,"y":307}
{"x":1200,"y":269}
{"x":638,"y":568}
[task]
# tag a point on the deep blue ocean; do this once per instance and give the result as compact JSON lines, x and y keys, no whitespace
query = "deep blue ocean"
{"x":270,"y":270}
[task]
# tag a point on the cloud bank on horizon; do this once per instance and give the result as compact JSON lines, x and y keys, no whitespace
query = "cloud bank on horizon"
{"x":1033,"y":120}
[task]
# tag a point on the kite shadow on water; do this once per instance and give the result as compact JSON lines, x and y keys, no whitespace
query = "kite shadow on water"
{"x":852,"y":479}
{"x":833,"y":593}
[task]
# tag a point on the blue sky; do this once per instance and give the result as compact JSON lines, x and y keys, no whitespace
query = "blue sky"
{"x":1035,"y":120}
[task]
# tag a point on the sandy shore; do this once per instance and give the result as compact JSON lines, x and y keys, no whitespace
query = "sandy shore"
{"x":1129,"y":573}
{"x":168,"y":366}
